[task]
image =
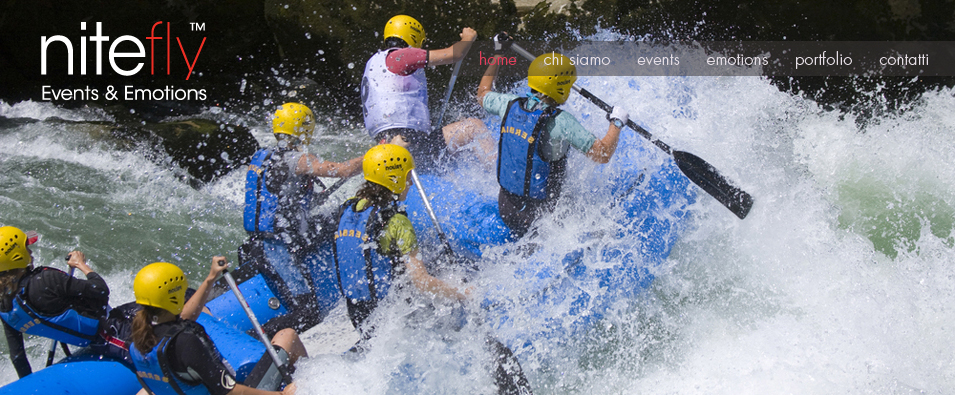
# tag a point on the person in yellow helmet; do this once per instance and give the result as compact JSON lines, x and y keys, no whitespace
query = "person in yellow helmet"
{"x":282,"y":186}
{"x":394,"y":94}
{"x":48,"y":302}
{"x":171,"y":352}
{"x":375,"y":244}
{"x":536,"y":135}
{"x":373,"y":218}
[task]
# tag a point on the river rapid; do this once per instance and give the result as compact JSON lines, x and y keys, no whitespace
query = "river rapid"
{"x":840,"y":280}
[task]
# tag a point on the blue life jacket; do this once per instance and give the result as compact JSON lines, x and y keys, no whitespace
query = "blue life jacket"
{"x":260,"y":203}
{"x":364,"y":274}
{"x":153,"y":372}
{"x":69,"y":327}
{"x":266,"y":194}
{"x":521,"y":170}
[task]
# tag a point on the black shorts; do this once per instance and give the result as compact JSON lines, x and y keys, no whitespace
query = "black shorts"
{"x":519,"y":213}
{"x":426,"y":148}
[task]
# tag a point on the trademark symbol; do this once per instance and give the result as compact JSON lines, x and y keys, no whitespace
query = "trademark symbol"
{"x":198,"y":27}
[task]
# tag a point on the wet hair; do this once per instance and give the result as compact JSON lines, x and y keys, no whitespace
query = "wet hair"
{"x":143,"y":335}
{"x":9,"y":285}
{"x":376,"y":194}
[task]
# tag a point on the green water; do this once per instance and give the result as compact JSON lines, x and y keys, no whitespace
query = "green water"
{"x":893,"y":218}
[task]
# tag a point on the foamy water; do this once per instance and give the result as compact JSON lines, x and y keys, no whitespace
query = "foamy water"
{"x":840,"y":280}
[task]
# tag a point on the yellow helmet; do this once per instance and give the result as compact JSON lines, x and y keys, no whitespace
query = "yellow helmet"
{"x":405,"y":28}
{"x":161,"y":285}
{"x":552,"y":74}
{"x":388,"y":165}
{"x":14,"y":253}
{"x":294,"y":119}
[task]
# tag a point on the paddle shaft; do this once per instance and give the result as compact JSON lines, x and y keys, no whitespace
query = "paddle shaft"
{"x":693,"y":167}
{"x":506,"y":357}
{"x":447,"y":94}
{"x":427,"y":206}
{"x":52,"y":353}
{"x":255,"y":323}
{"x":323,"y":195}
{"x":518,"y":382}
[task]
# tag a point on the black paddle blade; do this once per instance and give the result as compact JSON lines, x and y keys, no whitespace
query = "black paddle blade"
{"x":706,"y":176}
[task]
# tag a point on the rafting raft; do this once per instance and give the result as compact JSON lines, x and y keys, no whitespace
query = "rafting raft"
{"x":564,"y":287}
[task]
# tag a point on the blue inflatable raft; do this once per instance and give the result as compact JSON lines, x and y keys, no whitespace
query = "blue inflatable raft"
{"x":564,"y":287}
{"x":87,"y":374}
{"x":554,"y":288}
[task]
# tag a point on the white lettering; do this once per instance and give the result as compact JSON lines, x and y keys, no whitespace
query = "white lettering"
{"x":113,"y":55}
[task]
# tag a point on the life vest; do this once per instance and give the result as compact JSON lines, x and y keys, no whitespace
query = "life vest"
{"x":521,"y":170}
{"x":68,"y":327}
{"x":272,"y":192}
{"x":154,"y":373}
{"x":364,"y":274}
{"x":392,"y":101}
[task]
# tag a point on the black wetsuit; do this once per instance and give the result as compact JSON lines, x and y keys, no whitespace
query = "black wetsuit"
{"x":194,"y":358}
{"x":51,"y":292}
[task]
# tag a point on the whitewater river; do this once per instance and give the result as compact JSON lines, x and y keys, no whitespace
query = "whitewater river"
{"x":841,"y":280}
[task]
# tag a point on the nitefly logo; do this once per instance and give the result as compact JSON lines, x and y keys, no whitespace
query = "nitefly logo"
{"x":51,"y":47}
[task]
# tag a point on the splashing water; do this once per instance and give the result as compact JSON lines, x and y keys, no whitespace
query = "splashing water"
{"x":837,"y":282}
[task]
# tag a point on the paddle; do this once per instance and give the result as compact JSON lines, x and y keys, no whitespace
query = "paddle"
{"x":255,"y":323}
{"x":508,"y":376}
{"x":696,"y":169}
{"x":52,"y":353}
{"x":434,"y":219}
{"x":447,"y":94}
{"x":323,"y":195}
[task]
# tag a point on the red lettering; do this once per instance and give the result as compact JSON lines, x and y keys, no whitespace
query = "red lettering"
{"x":498,"y":60}
{"x":186,"y":57}
{"x":152,"y":48}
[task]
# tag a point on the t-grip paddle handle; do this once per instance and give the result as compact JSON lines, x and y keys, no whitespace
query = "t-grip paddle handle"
{"x":255,"y":323}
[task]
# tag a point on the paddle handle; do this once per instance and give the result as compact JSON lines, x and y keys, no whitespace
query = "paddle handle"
{"x":255,"y":323}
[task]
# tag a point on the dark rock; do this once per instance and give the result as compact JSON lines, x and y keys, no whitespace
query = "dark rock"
{"x":261,"y":52}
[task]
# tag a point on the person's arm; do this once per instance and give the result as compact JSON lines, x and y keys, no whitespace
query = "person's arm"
{"x":455,"y":52}
{"x":603,"y":149}
{"x":311,"y":165}
{"x":424,"y":281}
{"x":399,"y":240}
{"x":487,"y":81}
{"x":194,"y":305}
{"x":94,"y":288}
{"x":501,"y":42}
{"x":18,"y":353}
{"x":406,"y":61}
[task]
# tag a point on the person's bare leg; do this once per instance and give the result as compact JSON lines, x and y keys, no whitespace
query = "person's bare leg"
{"x":471,"y":130}
{"x":291,"y":343}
